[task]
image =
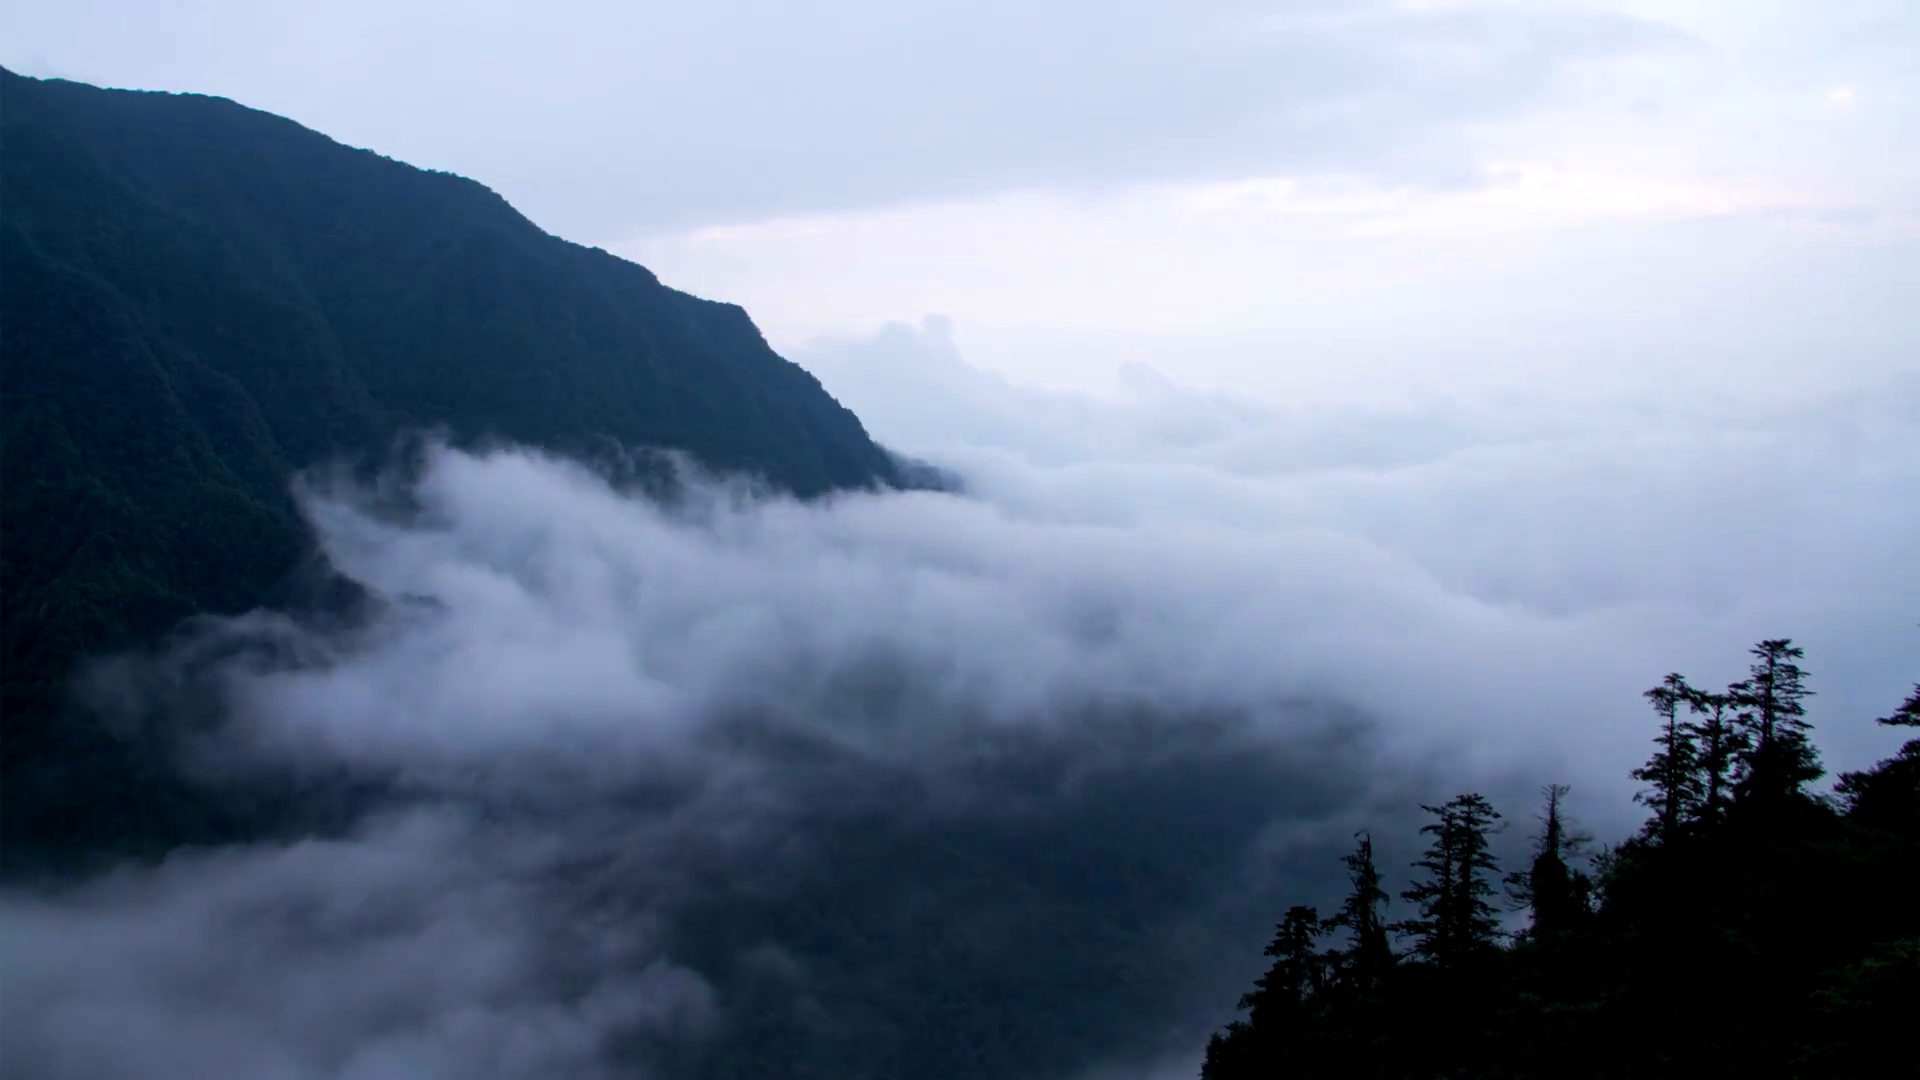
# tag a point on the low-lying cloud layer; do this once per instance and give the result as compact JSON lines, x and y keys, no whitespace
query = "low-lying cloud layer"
{"x":1530,"y":549}
{"x":999,"y":785}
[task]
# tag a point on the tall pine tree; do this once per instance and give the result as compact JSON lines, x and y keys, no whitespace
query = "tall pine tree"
{"x":1282,"y":1031}
{"x":1720,"y":743}
{"x":1296,"y":975}
{"x":1457,"y":924}
{"x":1556,"y":893}
{"x":1672,"y":774}
{"x":1368,"y":956}
{"x":1779,"y":761}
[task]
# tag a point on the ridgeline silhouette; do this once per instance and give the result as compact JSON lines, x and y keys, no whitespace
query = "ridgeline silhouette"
{"x":202,"y":299}
{"x":1753,"y":927}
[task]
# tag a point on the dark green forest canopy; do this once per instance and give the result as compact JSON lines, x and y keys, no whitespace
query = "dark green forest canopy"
{"x":1754,"y":927}
{"x":198,"y":299}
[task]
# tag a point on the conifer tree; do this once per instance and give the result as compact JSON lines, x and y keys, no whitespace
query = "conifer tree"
{"x":1908,"y":714}
{"x":1232,"y":1053}
{"x":1720,"y":744}
{"x":1556,"y":893}
{"x":1368,"y":956}
{"x":1888,"y":794}
{"x":1457,"y":925}
{"x":1280,"y":1029}
{"x":1703,"y":964}
{"x":1779,"y":761}
{"x":1297,"y":971}
{"x":1282,"y":1006}
{"x":1672,"y":774}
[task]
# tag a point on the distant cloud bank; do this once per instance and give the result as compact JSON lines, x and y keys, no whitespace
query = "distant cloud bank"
{"x":874,"y":781}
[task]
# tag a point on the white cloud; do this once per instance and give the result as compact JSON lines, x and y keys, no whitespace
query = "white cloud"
{"x":1662,"y":529}
{"x":1563,"y":284}
{"x":662,"y":781}
{"x":1174,"y":548}
{"x":419,"y":948}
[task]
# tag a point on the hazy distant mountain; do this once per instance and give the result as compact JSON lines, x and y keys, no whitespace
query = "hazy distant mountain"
{"x":198,"y":299}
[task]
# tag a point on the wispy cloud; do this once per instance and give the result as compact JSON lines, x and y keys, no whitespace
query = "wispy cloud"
{"x":891,"y":782}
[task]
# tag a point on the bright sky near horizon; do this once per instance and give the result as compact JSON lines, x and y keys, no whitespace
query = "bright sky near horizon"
{"x":1368,"y":201}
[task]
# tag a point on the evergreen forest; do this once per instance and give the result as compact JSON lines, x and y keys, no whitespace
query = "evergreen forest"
{"x":1754,"y":926}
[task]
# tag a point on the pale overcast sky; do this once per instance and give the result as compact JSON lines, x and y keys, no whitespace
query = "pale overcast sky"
{"x":1367,"y":200}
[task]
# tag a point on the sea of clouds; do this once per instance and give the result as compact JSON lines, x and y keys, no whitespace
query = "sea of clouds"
{"x":1003,"y":783}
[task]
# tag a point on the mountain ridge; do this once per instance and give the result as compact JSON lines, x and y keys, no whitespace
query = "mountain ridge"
{"x":199,"y":299}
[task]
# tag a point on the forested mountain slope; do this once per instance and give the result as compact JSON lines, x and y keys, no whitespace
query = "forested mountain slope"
{"x":198,"y":299}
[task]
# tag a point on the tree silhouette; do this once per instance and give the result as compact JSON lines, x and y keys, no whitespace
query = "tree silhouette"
{"x":1707,"y":957}
{"x":1719,"y":743}
{"x":1368,"y":956}
{"x":1908,"y":714}
{"x":1779,"y":761}
{"x":1297,"y":973}
{"x":1888,"y":795}
{"x":1558,"y":895}
{"x":1457,"y":924}
{"x":1672,"y":774}
{"x":1284,"y":1029}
